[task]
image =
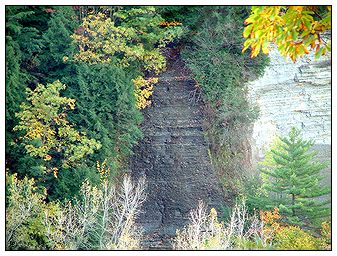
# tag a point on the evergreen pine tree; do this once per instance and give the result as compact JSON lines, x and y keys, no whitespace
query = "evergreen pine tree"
{"x":293,"y":180}
{"x":106,"y":110}
{"x":58,"y":44}
{"x":15,"y":88}
{"x":15,"y":79}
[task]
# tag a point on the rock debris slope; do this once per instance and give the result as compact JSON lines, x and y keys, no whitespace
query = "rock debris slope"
{"x":174,"y":157}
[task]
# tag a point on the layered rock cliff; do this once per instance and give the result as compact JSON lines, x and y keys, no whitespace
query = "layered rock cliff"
{"x":174,"y":157}
{"x":293,"y":94}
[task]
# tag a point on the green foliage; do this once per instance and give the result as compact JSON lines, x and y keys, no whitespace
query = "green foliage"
{"x":67,"y":185}
{"x":106,"y":110}
{"x":24,"y":44}
{"x":128,"y":37}
{"x":246,"y":231}
{"x":46,"y":146}
{"x":132,"y":37}
{"x":31,"y":45}
{"x":220,"y":70}
{"x":15,"y":78}
{"x":57,"y":42}
{"x":99,"y":218}
{"x":48,"y":134}
{"x":32,"y":21}
{"x":39,"y":18}
{"x":191,"y":17}
{"x":241,"y":231}
{"x":14,"y":86}
{"x":14,"y":15}
{"x":215,"y":57}
{"x":185,"y":14}
{"x":39,"y":49}
{"x":293,"y":180}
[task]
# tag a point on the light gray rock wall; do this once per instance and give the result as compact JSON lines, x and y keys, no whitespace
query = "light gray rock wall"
{"x":292,"y":94}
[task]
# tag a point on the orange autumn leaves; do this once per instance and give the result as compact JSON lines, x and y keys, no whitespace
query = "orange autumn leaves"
{"x":271,"y":226}
{"x":296,"y":30}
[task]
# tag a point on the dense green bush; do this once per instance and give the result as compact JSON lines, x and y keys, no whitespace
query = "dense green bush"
{"x":58,"y":45}
{"x":16,"y":77}
{"x":106,"y":110}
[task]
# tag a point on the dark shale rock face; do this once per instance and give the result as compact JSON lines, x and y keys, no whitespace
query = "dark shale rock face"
{"x":174,"y":157}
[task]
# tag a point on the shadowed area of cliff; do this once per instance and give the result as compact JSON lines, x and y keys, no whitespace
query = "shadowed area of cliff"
{"x":174,"y":157}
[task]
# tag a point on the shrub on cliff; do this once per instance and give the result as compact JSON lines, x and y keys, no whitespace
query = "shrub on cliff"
{"x":220,"y":69}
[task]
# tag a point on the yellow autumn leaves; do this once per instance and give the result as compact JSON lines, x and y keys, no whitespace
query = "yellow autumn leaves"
{"x":130,"y":38}
{"x":289,"y":237}
{"x":170,"y":23}
{"x":143,"y":91}
{"x":100,"y":39}
{"x":43,"y":119}
{"x":294,"y":29}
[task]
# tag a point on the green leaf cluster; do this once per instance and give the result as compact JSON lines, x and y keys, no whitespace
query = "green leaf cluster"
{"x":39,"y":50}
{"x":131,"y":37}
{"x":47,"y":131}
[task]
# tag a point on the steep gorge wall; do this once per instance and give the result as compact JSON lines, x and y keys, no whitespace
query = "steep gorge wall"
{"x":293,"y":94}
{"x":174,"y":157}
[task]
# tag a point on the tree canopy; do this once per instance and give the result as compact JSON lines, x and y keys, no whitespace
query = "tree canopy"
{"x":48,"y":133}
{"x":294,"y":29}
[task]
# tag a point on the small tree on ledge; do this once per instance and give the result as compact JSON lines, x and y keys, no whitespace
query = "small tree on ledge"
{"x":293,"y":180}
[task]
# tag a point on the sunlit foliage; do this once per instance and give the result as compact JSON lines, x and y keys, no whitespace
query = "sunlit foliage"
{"x":288,"y":237}
{"x":101,"y":217}
{"x":294,"y":29}
{"x":24,"y":214}
{"x":131,"y":38}
{"x":143,"y":91}
{"x":133,"y":35}
{"x":47,"y":130}
{"x":244,"y":231}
